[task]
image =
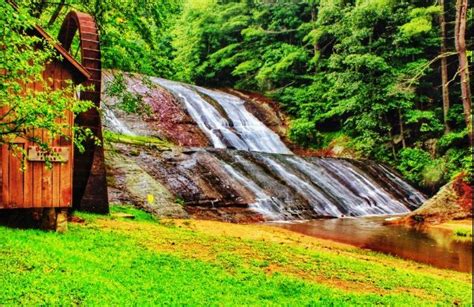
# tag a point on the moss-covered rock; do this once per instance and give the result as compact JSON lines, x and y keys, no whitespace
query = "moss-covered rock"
{"x":129,"y":183}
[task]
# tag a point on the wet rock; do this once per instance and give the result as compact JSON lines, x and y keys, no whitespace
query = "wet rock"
{"x":253,"y":185}
{"x":167,"y":118}
{"x":238,"y":185}
{"x":129,"y":183}
{"x":446,"y":205}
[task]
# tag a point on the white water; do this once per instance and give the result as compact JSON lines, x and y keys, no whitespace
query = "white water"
{"x":113,"y":123}
{"x":270,"y":207}
{"x":253,"y":132}
{"x":364,"y":197}
{"x":239,"y":129}
{"x":414,"y":196}
{"x":316,"y":197}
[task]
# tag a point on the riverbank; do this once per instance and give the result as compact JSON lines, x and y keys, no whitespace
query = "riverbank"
{"x":117,"y":261}
{"x":446,"y":246}
{"x":459,"y":229}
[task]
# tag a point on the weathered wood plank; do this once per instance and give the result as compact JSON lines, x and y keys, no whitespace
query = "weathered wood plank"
{"x":5,"y":176}
{"x":67,"y":168}
{"x":16,"y":180}
{"x":56,"y":180}
{"x":47,"y":178}
{"x":37,"y":169}
{"x":39,"y":186}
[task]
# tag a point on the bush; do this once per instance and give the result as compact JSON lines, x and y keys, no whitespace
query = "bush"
{"x":458,"y":161}
{"x":412,"y":163}
{"x":461,"y":232}
{"x":452,"y":139}
{"x":417,"y":166}
{"x":304,"y":132}
{"x":434,"y":174}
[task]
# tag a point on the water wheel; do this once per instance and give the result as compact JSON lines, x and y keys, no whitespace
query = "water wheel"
{"x":89,"y":179}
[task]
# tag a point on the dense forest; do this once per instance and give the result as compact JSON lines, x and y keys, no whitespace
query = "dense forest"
{"x":381,"y":77}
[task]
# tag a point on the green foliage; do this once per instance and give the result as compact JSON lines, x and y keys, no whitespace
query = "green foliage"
{"x":138,"y":215}
{"x":426,"y":121}
{"x":413,"y":162}
{"x":304,"y":132}
{"x":128,"y":101}
{"x":420,"y":21}
{"x":180,"y":201}
{"x":452,"y":139}
{"x":23,"y":58}
{"x":134,"y":34}
{"x":418,"y":166}
{"x":462,"y":232}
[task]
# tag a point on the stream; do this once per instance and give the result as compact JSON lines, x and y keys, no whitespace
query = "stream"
{"x":433,"y":246}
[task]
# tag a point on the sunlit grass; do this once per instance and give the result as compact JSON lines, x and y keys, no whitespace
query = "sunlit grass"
{"x":114,"y":261}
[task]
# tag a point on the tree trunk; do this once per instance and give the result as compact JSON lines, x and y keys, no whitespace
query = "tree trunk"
{"x":56,"y":13}
{"x":402,"y":128}
{"x":444,"y":68}
{"x":392,"y":144}
{"x":460,"y":41}
{"x":315,"y":44}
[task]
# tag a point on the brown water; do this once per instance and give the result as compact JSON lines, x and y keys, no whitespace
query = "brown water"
{"x":436,"y":247}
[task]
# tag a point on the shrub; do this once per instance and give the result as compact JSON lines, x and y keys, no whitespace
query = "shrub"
{"x":412,"y":163}
{"x":304,"y":132}
{"x":452,"y":139}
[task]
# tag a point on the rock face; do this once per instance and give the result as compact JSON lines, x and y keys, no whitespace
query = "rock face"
{"x":166,"y":118}
{"x":452,"y":202}
{"x":129,"y":183}
{"x":242,"y":186}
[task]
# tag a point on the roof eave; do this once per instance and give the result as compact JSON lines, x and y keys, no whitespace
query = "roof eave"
{"x":82,"y":73}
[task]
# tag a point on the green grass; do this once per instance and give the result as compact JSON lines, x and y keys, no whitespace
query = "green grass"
{"x":113,"y":261}
{"x":463,"y":232}
{"x":139,"y":140}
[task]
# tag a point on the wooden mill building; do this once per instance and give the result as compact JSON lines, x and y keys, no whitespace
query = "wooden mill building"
{"x":74,"y":178}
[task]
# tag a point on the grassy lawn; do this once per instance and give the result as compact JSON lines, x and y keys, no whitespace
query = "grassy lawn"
{"x":115,"y":261}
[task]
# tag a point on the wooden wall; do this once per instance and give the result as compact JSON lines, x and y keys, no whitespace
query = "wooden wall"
{"x":38,"y":186}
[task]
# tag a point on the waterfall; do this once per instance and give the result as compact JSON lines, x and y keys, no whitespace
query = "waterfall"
{"x":113,"y":123}
{"x":330,"y":187}
{"x":270,"y":207}
{"x":240,"y":130}
{"x":253,"y":132}
{"x":251,"y":166}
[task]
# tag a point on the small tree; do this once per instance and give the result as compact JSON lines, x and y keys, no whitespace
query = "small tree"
{"x":23,"y":59}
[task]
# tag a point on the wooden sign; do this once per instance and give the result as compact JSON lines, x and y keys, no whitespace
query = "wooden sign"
{"x":56,"y":154}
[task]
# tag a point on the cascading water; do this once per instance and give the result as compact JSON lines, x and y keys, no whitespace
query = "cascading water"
{"x":240,"y":130}
{"x":113,"y":123}
{"x":253,"y":132}
{"x":328,"y":186}
{"x":252,"y":166}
